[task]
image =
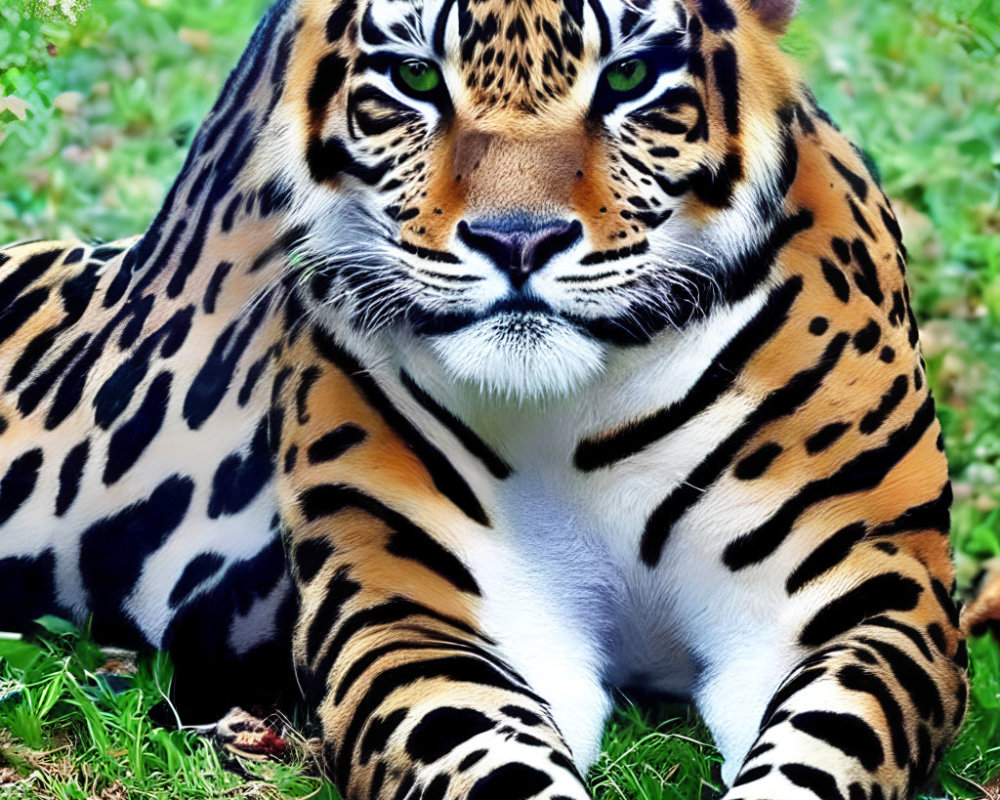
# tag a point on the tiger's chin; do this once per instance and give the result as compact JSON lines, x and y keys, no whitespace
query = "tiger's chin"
{"x":523,"y":356}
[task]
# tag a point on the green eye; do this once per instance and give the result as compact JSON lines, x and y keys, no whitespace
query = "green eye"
{"x":419,"y":76}
{"x":626,"y":75}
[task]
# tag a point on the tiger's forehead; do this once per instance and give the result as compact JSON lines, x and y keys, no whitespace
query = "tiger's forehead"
{"x":516,"y":52}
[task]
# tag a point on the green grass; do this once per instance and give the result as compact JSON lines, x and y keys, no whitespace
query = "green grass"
{"x":112,"y":103}
{"x":75,"y":733}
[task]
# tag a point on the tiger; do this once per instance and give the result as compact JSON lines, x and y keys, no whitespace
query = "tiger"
{"x":487,"y":357}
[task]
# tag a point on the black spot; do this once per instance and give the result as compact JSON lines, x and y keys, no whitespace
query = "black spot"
{"x":215,"y":286}
{"x":436,"y":788}
{"x":216,"y":374}
{"x":310,"y":556}
{"x":133,"y":436}
{"x":114,"y":549}
{"x":522,"y":715}
{"x":334,"y":444}
{"x":826,"y":436}
{"x":866,"y":277}
{"x":842,"y":249}
{"x":887,"y":355}
{"x":717,"y":15}
{"x":859,"y":679}
{"x":836,"y":279}
{"x":18,"y":483}
{"x":329,"y":77}
{"x":752,"y":774}
{"x":513,"y":781}
{"x":336,"y":23}
{"x":866,"y":339}
{"x":442,"y":730}
{"x":819,"y":326}
{"x":864,"y":471}
{"x":757,"y":463}
{"x":471,"y":760}
{"x":198,"y":570}
{"x":70,"y":474}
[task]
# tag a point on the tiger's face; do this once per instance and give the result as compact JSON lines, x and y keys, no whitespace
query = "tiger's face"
{"x":519,"y":185}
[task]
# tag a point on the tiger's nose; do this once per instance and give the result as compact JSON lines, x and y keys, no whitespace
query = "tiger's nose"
{"x":520,"y":247}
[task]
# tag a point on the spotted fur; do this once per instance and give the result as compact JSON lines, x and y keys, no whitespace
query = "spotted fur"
{"x":489,"y":399}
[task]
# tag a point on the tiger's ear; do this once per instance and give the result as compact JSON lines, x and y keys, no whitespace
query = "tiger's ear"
{"x":776,"y":14}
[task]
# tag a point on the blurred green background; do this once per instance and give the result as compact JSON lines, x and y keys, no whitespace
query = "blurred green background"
{"x":95,"y":116}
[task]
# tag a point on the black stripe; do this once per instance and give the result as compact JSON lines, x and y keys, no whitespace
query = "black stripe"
{"x":727,"y":81}
{"x":835,"y":277}
{"x":858,"y":184}
{"x":933,"y":515}
{"x":339,"y":589}
{"x":456,"y":669}
{"x":310,"y":556}
{"x":779,"y":403}
{"x":496,"y":465}
{"x":385,"y":614}
{"x":865,"y":471}
{"x":887,"y":592}
{"x":913,"y":680}
{"x":18,"y":312}
{"x":752,"y":774}
{"x":786,"y":691}
{"x":820,"y":783}
{"x":334,"y":444}
{"x":133,"y":436}
{"x":890,"y":401}
{"x":825,"y":557}
{"x":407,"y":541}
{"x":592,"y":454}
{"x":443,"y":474}
{"x":867,"y":277}
{"x":848,"y":733}
{"x":18,"y":482}
{"x":363,"y":663}
{"x":858,"y":679}
{"x":70,"y":474}
{"x":443,"y":729}
{"x":29,"y":271}
{"x":910,"y":633}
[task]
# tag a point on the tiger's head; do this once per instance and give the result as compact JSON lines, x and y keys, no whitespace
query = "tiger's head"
{"x":517,"y":186}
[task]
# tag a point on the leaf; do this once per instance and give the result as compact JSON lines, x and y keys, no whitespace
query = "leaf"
{"x":57,"y":625}
{"x":18,"y":653}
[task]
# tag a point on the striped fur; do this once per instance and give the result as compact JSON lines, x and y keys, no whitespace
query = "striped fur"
{"x":490,"y":397}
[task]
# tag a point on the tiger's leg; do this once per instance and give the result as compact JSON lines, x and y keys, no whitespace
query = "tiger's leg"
{"x":413,"y":697}
{"x":875,"y":694}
